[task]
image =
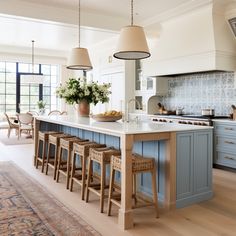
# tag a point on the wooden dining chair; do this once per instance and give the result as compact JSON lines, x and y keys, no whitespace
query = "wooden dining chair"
{"x":25,"y":123}
{"x":63,"y":113}
{"x":54,"y":112}
{"x":11,"y":126}
{"x":33,"y":113}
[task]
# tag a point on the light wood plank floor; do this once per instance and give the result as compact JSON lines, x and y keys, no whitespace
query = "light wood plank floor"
{"x":211,"y":218}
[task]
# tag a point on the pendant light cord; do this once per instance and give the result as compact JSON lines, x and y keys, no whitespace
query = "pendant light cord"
{"x":79,"y":24}
{"x":132,"y":12}
{"x":32,"y":56}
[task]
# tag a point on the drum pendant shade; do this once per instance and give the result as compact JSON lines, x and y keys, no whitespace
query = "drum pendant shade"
{"x":79,"y":59}
{"x":132,"y":44}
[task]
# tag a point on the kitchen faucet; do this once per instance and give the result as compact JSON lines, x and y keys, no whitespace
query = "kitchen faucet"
{"x":127,"y":107}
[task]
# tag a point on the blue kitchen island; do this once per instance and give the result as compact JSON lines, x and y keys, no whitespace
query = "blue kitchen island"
{"x":183,"y":156}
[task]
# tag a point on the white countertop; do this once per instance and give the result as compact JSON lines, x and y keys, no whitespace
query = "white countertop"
{"x":119,"y":128}
{"x":232,"y":122}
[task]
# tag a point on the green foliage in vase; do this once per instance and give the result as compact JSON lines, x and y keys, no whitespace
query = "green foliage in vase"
{"x":41,"y":104}
{"x":77,"y":90}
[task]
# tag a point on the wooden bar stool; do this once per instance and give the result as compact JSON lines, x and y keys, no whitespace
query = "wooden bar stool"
{"x":42,"y":137}
{"x":139,"y":165}
{"x":101,"y":156}
{"x":54,"y":140}
{"x":64,"y":167}
{"x":81,"y":150}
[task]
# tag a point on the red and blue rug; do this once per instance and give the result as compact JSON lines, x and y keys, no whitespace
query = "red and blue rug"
{"x":28,"y":209}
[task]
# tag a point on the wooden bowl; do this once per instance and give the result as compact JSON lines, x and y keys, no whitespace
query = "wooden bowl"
{"x":106,"y":118}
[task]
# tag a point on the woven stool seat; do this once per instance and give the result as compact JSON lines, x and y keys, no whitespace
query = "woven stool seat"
{"x":101,"y":156}
{"x":66,"y":144}
{"x":53,"y":140}
{"x":82,"y":150}
{"x":45,"y":134}
{"x":139,"y":165}
{"x":42,"y":137}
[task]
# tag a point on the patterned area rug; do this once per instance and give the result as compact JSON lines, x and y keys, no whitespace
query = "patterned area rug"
{"x":27,"y":209}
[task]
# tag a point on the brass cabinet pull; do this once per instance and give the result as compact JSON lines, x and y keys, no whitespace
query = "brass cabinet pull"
{"x":229,"y":129}
{"x":230,"y":158}
{"x":229,"y":142}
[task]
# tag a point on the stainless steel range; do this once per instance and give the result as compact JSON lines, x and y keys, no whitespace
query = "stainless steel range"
{"x":187,"y":119}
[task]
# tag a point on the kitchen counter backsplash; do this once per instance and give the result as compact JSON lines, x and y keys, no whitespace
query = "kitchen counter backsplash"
{"x":202,"y":90}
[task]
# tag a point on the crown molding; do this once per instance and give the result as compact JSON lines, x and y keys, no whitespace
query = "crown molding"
{"x":180,"y":10}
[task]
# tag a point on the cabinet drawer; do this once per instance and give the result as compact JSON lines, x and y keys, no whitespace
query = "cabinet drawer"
{"x":225,"y":130}
{"x":225,"y":143}
{"x":226,"y":159}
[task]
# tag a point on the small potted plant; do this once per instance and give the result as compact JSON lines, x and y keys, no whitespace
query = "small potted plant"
{"x":41,"y":106}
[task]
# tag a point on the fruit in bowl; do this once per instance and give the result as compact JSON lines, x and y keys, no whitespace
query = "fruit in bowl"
{"x":108,"y":116}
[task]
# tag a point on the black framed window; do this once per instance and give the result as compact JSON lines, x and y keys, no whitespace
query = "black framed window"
{"x":51,"y":82}
{"x":28,"y":94}
{"x":7,"y":87}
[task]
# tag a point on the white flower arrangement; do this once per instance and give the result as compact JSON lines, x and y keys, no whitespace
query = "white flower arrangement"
{"x":77,"y":90}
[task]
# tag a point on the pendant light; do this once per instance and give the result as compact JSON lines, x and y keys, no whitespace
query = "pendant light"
{"x":132,"y":42}
{"x":32,"y":78}
{"x":79,"y":57}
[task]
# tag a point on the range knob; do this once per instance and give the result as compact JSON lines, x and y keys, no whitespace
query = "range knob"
{"x":164,"y":120}
{"x":190,"y":123}
{"x":184,"y":122}
{"x":180,"y":122}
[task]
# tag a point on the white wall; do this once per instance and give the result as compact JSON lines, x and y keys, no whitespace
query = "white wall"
{"x":107,"y":69}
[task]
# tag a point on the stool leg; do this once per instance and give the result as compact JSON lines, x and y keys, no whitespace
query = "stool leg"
{"x":56,"y":156}
{"x":37,"y":162}
{"x":59,"y":163}
{"x":154,"y":190}
{"x":43,"y":155}
{"x":83,"y":160}
{"x":72,"y":170}
{"x":48,"y":156}
{"x":134,"y":188}
{"x":103,"y":179}
{"x":112,"y":175}
{"x":68,"y":168}
{"x":90,"y":166}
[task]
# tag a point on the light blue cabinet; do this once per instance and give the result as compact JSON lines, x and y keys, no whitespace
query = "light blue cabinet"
{"x":193,"y":167}
{"x":225,"y":143}
{"x":193,"y":161}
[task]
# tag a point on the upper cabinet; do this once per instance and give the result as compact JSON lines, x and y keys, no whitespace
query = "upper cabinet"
{"x":157,"y":85}
{"x":146,"y":83}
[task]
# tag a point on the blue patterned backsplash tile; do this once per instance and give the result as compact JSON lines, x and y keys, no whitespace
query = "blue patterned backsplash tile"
{"x":194,"y":92}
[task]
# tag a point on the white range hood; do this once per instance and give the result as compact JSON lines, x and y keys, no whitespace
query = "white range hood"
{"x":194,"y":42}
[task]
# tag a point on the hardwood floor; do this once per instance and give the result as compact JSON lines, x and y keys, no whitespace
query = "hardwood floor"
{"x":214,"y":217}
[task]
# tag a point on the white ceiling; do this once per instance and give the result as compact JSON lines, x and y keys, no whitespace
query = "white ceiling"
{"x":47,"y":35}
{"x":118,"y":8}
{"x":52,"y":23}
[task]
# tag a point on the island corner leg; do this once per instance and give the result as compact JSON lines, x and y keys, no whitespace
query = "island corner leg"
{"x":36,"y":129}
{"x":126,"y":212}
{"x":170,"y":173}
